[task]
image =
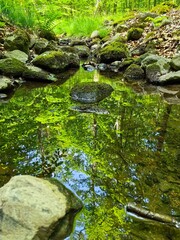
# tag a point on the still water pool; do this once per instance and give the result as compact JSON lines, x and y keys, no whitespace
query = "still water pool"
{"x":126,"y":151}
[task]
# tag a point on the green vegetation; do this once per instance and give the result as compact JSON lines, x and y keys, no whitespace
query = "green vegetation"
{"x":75,"y":17}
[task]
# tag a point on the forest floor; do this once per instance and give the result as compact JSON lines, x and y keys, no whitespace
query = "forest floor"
{"x":166,"y":37}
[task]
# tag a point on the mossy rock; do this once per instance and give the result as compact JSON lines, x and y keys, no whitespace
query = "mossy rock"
{"x":175,"y":63}
{"x":37,"y":74}
{"x":134,"y":72}
{"x":19,"y":40}
{"x":47,"y":34}
{"x":12,"y":67}
{"x":5,"y":83}
{"x":19,"y":55}
{"x":90,"y":92}
{"x":134,"y":33}
{"x":56,"y":61}
{"x":114,"y":51}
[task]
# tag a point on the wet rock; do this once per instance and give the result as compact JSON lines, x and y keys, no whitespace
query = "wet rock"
{"x":56,"y":61}
{"x":37,"y":74}
{"x":90,"y":92}
{"x":5,"y":83}
{"x":175,"y":63}
{"x":2,"y":95}
{"x":134,"y":72}
{"x":33,"y":208}
{"x":134,"y":33}
{"x":102,"y":66}
{"x":12,"y":67}
{"x":88,"y":67}
{"x":19,"y":55}
{"x":19,"y":39}
{"x":114,"y":51}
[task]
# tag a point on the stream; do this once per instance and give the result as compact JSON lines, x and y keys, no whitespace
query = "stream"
{"x":127,"y":150}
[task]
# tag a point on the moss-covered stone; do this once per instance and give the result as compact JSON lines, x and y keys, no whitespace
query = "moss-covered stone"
{"x":56,"y":61}
{"x":20,"y":40}
{"x":114,"y":51}
{"x":19,"y":55}
{"x":175,"y":63}
{"x":134,"y":72}
{"x":134,"y":33}
{"x":37,"y":74}
{"x":12,"y":67}
{"x":5,"y":83}
{"x":47,"y":34}
{"x":90,"y":92}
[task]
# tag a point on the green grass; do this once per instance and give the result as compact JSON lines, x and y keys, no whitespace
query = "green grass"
{"x":81,"y":26}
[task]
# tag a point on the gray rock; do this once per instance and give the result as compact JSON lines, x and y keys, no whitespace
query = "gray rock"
{"x":5,"y":83}
{"x":37,"y":74}
{"x":33,"y":208}
{"x":171,"y":77}
{"x":175,"y":63}
{"x":19,"y":55}
{"x":90,"y":92}
{"x":95,"y":34}
{"x":155,"y":66}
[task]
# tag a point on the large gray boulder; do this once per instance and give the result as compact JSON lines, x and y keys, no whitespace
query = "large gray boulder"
{"x":57,"y":61}
{"x":33,"y":208}
{"x":90,"y":92}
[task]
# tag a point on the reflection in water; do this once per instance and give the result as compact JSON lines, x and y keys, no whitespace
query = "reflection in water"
{"x":129,"y":154}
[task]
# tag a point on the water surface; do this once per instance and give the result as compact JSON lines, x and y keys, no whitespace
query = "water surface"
{"x":129,"y":154}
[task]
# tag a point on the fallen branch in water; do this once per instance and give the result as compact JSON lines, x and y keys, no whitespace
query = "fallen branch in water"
{"x":143,"y":213}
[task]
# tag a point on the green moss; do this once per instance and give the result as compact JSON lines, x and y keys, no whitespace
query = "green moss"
{"x":134,"y":72}
{"x":113,"y":52}
{"x":134,"y":33}
{"x":163,"y":7}
{"x":12,"y":67}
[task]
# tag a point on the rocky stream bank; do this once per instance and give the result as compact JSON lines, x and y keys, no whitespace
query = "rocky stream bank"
{"x":143,"y":48}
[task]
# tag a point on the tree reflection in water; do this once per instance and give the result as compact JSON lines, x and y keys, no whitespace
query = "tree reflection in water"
{"x":108,"y":160}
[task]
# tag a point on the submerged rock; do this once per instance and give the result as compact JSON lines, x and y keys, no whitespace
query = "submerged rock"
{"x":90,"y":92}
{"x":34,"y":208}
